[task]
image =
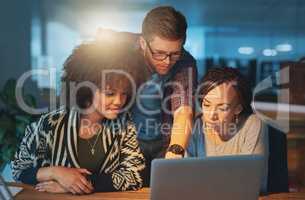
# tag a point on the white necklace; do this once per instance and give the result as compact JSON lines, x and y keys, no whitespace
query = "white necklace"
{"x":92,"y":147}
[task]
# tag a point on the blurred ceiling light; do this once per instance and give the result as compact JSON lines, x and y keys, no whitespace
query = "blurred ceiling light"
{"x":269,"y":52}
{"x":246,"y":50}
{"x":104,"y":34}
{"x":284,"y":47}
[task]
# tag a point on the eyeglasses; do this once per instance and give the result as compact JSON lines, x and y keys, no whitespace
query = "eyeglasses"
{"x":163,"y":56}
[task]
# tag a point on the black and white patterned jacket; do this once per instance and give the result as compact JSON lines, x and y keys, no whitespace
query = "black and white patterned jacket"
{"x":52,"y":141}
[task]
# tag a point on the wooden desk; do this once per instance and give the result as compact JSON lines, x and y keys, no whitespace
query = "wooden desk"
{"x":29,"y":193}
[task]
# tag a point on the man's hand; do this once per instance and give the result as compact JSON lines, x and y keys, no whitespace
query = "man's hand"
{"x":170,"y":155}
{"x":182,"y":126}
{"x":50,"y":186}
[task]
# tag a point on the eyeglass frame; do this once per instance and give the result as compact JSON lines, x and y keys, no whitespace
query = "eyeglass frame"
{"x":165,"y":54}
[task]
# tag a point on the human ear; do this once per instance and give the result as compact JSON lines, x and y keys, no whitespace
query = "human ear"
{"x":142,"y":43}
{"x":238,"y":109}
{"x":95,"y":97}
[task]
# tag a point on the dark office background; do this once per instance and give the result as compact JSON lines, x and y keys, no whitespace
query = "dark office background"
{"x":42,"y":33}
{"x":256,"y":36}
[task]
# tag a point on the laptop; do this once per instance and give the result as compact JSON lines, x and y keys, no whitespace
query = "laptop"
{"x":212,"y":178}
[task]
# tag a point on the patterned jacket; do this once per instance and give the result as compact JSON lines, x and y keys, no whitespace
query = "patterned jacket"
{"x":52,"y":141}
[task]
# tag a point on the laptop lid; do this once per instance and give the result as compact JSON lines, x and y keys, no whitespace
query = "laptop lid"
{"x":212,"y":178}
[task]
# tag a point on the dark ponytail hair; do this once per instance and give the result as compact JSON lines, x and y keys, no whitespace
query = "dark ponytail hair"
{"x":217,"y":76}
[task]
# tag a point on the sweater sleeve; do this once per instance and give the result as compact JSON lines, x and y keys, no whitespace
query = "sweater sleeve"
{"x":256,"y":142}
{"x":128,"y":175}
{"x":255,"y":137}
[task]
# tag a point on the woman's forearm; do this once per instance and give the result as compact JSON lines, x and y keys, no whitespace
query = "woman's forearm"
{"x":46,"y":174}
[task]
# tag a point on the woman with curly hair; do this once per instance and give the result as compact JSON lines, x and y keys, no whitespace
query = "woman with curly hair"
{"x":90,"y":143}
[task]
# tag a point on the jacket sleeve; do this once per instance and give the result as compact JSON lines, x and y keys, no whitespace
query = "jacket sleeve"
{"x":23,"y":165}
{"x":185,"y":83}
{"x":33,"y":151}
{"x":128,"y":175}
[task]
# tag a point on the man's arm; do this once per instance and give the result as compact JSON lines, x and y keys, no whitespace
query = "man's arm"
{"x":182,"y":104}
{"x":182,"y":127}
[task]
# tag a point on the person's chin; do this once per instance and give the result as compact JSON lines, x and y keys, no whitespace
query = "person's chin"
{"x":162,"y":71}
{"x":224,"y":137}
{"x":111,"y":115}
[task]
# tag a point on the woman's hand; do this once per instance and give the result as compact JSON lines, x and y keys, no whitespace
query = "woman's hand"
{"x":50,"y":186}
{"x":73,"y":179}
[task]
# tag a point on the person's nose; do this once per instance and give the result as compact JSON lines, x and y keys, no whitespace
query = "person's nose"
{"x":167,"y":60}
{"x":118,"y":100}
{"x":213,"y":115}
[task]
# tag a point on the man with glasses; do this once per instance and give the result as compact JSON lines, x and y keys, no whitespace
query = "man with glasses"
{"x":163,"y":110}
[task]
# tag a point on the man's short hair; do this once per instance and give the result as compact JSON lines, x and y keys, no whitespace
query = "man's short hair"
{"x":165,"y":22}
